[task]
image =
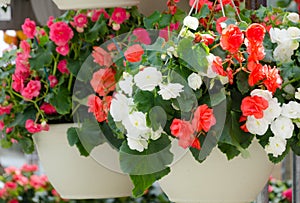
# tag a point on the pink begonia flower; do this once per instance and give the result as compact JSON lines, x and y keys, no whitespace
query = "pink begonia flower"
{"x":3,"y":192}
{"x":32,"y":89}
{"x":60,"y":33}
{"x":29,"y":28}
{"x":80,"y":20}
{"x":18,"y":83}
{"x":32,"y":127}
{"x":63,"y":50}
{"x":62,"y":66}
{"x":38,"y":182}
{"x":10,"y":185}
{"x":165,"y":32}
{"x":142,"y":36}
{"x":48,"y":108}
{"x":96,"y":14}
{"x":25,"y":46}
{"x":50,"y":21}
{"x":12,"y":170}
{"x":13,"y":201}
{"x":22,"y":66}
{"x":29,"y":168}
{"x":119,"y":15}
{"x":288,"y":194}
{"x":52,"y":80}
{"x":20,"y":179}
{"x":5,"y":109}
{"x":2,"y":125}
{"x":45,"y":126}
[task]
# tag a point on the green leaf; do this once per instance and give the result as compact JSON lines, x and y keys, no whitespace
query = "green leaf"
{"x":151,"y":160}
{"x":61,"y":101}
{"x":27,"y":144}
{"x":207,"y":144}
{"x":242,"y":82}
{"x":42,"y":57}
{"x":90,"y":134}
{"x":165,"y":20}
{"x":204,"y":12}
{"x":150,"y":21}
{"x":99,"y":29}
{"x":143,"y":182}
{"x":72,"y":136}
{"x":82,"y":149}
{"x":144,"y":100}
{"x":194,"y":55}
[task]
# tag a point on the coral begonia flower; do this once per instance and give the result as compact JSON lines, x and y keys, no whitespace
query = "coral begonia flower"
{"x":134,"y":53}
{"x":254,"y":106}
{"x":232,"y":38}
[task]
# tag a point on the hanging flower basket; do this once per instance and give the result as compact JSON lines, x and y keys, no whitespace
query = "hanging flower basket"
{"x":75,"y":176}
{"x":84,"y":4}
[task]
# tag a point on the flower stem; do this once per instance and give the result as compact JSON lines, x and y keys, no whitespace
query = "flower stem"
{"x":290,"y":82}
{"x":70,"y":82}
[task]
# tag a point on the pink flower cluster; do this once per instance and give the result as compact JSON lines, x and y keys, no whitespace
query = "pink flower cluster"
{"x":23,"y":179}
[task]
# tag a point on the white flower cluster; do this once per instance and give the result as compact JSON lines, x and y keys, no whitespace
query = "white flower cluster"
{"x":279,"y":118}
{"x":286,"y":39}
{"x":123,"y":109}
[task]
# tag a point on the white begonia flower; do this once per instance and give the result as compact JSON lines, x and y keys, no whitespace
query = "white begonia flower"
{"x":291,"y":110}
{"x":283,"y":52}
{"x":120,"y":107}
{"x":257,"y":126}
{"x":276,"y":146}
{"x":194,"y":81}
{"x":297,"y":94}
{"x":273,"y":111}
{"x":156,"y":134}
{"x":210,"y":73}
{"x":139,"y":144}
{"x":294,"y":33}
{"x":126,"y":84}
{"x":293,"y":17}
{"x":136,"y":126}
{"x":148,"y":78}
{"x":266,"y":94}
{"x":171,"y":90}
{"x":191,"y":22}
{"x":282,"y":127}
{"x":278,"y":35}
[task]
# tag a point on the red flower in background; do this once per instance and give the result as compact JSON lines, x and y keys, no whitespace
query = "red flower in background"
{"x":32,"y":89}
{"x":255,"y":33}
{"x":134,"y":53}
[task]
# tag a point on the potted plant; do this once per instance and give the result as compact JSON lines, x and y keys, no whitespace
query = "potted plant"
{"x":227,"y":82}
{"x":36,"y":84}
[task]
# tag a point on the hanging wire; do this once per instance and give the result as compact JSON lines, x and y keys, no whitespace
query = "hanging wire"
{"x":222,"y":7}
{"x":236,"y":10}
